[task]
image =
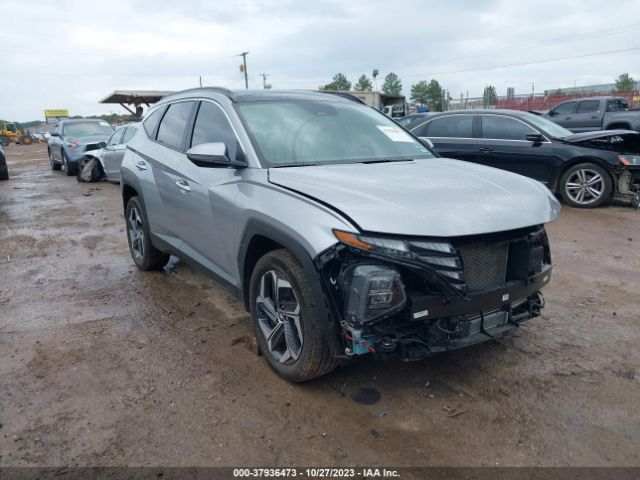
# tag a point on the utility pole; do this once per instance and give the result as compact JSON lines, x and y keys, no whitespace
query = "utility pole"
{"x":264,"y":81}
{"x":200,"y":81}
{"x":243,"y":68}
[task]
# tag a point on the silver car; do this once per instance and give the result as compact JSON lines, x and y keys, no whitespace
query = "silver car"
{"x":342,"y":233}
{"x":104,"y":162}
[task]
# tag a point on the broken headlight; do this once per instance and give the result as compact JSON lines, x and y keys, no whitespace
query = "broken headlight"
{"x":372,"y":293}
{"x":629,"y":160}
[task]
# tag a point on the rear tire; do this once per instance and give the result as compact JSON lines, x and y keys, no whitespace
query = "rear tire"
{"x":4,"y":172}
{"x":586,"y":185}
{"x":293,"y":343}
{"x":54,"y":165}
{"x":144,"y":254}
{"x":26,"y":140}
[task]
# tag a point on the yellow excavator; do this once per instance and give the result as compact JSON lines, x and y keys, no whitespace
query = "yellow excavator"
{"x":11,"y":134}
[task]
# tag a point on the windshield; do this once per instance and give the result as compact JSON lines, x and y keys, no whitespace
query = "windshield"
{"x":85,"y":129}
{"x":303,"y":132}
{"x":553,"y":129}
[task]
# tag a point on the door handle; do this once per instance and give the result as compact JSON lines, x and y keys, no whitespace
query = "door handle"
{"x":141,"y":165}
{"x":183,"y":185}
{"x":595,"y":116}
{"x":486,"y":149}
{"x":567,"y":118}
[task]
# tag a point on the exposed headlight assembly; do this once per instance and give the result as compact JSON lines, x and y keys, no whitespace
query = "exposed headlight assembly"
{"x":372,"y":293}
{"x":629,"y":159}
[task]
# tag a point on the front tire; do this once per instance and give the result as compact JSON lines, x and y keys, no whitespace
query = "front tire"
{"x":89,"y":170}
{"x":144,"y":254}
{"x":71,"y":168}
{"x":586,"y":185}
{"x":287,"y":318}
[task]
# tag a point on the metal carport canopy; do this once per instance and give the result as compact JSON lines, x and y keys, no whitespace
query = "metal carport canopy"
{"x":135,"y":97}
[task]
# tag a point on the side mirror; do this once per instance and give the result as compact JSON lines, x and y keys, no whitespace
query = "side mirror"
{"x":552,"y":113}
{"x":55,"y":134}
{"x":534,"y":137}
{"x":102,"y":144}
{"x":212,"y":155}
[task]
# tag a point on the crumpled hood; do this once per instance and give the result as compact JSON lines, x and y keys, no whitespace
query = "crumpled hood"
{"x":434,"y":197}
{"x":581,"y":137}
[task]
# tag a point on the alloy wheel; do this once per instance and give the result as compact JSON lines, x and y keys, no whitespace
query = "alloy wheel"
{"x":279,"y":317}
{"x":585,"y":186}
{"x":136,"y":233}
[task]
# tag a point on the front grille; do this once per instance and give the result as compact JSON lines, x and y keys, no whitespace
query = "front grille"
{"x":484,"y":265}
{"x":482,"y":262}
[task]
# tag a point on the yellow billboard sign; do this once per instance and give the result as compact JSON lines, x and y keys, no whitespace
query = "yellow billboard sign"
{"x":56,"y":113}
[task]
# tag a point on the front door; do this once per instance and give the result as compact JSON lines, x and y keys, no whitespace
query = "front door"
{"x":206,"y":204}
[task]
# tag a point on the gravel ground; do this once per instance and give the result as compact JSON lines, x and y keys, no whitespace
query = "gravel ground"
{"x":101,"y":364}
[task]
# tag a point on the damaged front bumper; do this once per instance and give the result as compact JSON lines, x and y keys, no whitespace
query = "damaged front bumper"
{"x":628,"y":186}
{"x":440,"y":306}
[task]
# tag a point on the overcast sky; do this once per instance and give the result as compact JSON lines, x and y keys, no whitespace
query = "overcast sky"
{"x":70,"y":54}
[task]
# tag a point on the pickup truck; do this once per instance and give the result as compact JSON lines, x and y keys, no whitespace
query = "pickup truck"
{"x":594,"y":113}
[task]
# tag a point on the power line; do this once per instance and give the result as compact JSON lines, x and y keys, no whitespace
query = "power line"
{"x":520,"y":64}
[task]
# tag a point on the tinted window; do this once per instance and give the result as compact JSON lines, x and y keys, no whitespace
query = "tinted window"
{"x":212,"y":126}
{"x":589,"y":106}
{"x":116,"y":138}
{"x":174,"y":123}
{"x":504,"y":128}
{"x":564,"y":108}
{"x":151,"y":122}
{"x":458,"y":126}
{"x":131,"y":131}
{"x":617,"y":105}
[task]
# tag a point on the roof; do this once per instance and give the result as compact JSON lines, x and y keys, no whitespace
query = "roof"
{"x":135,"y":96}
{"x":240,"y":96}
{"x":474,"y":111}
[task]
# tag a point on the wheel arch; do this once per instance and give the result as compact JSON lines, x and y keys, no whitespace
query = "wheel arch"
{"x":618,"y":125}
{"x":260,"y":238}
{"x":585,"y":159}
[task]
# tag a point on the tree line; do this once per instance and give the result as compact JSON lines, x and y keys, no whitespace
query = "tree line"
{"x":431,"y":94}
{"x":425,"y":93}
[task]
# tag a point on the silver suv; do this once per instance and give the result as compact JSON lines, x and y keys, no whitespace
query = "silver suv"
{"x":342,"y":233}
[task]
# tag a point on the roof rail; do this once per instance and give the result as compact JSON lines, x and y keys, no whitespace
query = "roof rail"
{"x":224,"y":91}
{"x":345,"y":95}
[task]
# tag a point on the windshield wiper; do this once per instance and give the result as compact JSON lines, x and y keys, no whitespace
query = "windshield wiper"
{"x":387,"y":160}
{"x":296,"y":165}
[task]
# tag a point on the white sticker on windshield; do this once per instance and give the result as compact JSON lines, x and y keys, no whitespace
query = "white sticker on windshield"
{"x":104,"y":124}
{"x":395,"y":133}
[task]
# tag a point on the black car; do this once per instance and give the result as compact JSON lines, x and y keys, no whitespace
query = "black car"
{"x":585,"y":169}
{"x":4,"y":171}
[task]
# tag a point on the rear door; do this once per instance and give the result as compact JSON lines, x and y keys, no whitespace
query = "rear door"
{"x":158,"y":165}
{"x":588,"y":116}
{"x":452,"y":135}
{"x":502,"y":144}
{"x":206,"y":211}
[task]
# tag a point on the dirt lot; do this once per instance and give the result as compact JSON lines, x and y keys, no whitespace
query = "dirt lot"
{"x":101,"y":364}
